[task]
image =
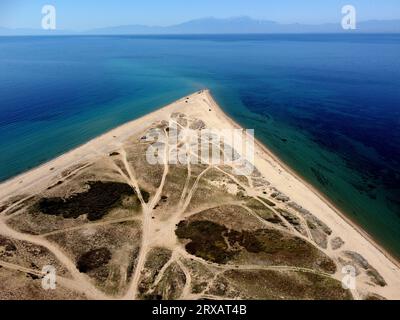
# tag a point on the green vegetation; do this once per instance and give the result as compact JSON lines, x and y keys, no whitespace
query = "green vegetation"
{"x":93,"y":259}
{"x":95,"y":202}
{"x":207,"y":240}
{"x":216,"y":243}
{"x":263,"y":211}
{"x":268,"y":202}
{"x":171,"y":284}
{"x":156,"y":259}
{"x":270,"y":284}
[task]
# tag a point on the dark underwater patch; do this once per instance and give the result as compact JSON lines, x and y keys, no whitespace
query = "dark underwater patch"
{"x":320,"y":177}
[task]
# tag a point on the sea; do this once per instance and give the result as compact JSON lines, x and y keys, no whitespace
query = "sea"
{"x":328,"y":105}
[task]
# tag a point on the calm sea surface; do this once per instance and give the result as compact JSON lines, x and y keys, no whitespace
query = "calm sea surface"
{"x":328,"y":105}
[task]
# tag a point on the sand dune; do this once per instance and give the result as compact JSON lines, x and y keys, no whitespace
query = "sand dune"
{"x":303,"y":197}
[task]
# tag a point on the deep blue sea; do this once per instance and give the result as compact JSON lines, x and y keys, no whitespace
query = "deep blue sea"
{"x":327,"y":105}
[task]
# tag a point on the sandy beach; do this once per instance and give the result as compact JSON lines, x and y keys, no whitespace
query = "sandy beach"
{"x":201,"y":105}
{"x":295,"y":175}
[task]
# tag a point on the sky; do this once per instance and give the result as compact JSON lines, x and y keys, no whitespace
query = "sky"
{"x":88,"y":14}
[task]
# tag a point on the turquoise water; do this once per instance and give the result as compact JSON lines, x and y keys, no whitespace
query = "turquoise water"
{"x":327,"y":105}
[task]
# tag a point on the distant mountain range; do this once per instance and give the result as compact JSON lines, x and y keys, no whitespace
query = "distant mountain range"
{"x":237,"y":25}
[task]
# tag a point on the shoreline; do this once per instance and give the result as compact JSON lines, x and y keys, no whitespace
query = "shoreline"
{"x":261,"y":145}
{"x":278,"y":173}
{"x":78,"y":148}
{"x":317,"y":192}
{"x":81,"y":145}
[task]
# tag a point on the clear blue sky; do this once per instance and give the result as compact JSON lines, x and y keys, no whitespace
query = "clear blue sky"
{"x":86,"y":14}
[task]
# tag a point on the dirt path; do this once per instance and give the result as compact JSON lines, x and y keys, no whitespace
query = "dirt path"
{"x":188,"y":280}
{"x":150,"y":238}
{"x":146,"y":224}
{"x":83,"y":280}
{"x":64,"y":282}
{"x":91,"y":224}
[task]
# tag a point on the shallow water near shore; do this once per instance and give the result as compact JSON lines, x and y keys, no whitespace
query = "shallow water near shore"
{"x":327,"y":105}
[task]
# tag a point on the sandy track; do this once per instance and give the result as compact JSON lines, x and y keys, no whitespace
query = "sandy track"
{"x":201,"y":106}
{"x":83,"y":280}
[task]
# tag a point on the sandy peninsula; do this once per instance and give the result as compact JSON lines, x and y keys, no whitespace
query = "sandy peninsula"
{"x":293,"y":208}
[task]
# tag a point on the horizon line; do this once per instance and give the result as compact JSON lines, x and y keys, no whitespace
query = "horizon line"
{"x":187,"y":21}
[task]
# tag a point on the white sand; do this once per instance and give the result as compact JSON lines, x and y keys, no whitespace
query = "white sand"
{"x":279,"y":175}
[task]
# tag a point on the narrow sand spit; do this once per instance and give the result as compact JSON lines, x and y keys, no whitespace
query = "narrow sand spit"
{"x":202,"y":106}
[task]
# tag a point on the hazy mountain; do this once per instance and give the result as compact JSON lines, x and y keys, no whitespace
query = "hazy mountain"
{"x":231,"y":25}
{"x":225,"y":26}
{"x":390,"y":26}
{"x":248,"y":25}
